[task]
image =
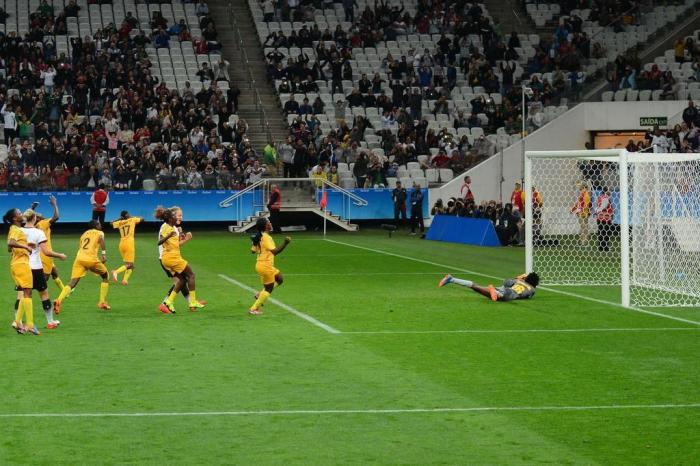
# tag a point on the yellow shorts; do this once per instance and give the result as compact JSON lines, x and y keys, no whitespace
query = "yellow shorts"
{"x":47,"y":264}
{"x":81,"y":267}
{"x":174,"y":264}
{"x":127,"y":251}
{"x":267,"y":272}
{"x":22,"y":275}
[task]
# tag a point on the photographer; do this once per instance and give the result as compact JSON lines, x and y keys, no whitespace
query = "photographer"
{"x":507,"y":226}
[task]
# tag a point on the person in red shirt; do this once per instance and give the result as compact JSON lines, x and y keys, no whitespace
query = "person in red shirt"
{"x":274,"y":205}
{"x":99,"y":201}
{"x":466,"y":189}
{"x":604,"y":219}
{"x":60,"y":178}
{"x":517,"y":197}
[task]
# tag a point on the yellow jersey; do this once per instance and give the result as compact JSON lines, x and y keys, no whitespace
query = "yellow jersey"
{"x":264,"y":250}
{"x":19,"y":256}
{"x":89,"y":246}
{"x":45,"y":226}
{"x":171,"y":246}
{"x":126,"y":227}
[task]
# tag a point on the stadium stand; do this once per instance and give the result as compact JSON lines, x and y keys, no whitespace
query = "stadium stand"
{"x":603,"y":32}
{"x":403,"y":87}
{"x":134,"y":96}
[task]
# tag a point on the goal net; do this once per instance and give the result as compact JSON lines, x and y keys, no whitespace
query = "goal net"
{"x":612,"y":218}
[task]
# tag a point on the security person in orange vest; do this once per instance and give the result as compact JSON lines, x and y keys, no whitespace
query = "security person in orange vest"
{"x":581,"y":209}
{"x":604,"y":219}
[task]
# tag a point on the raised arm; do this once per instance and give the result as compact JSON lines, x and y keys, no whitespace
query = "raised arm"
{"x":55,"y":216}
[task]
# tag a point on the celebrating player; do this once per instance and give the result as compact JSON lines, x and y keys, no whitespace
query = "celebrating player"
{"x":91,"y":243}
{"x":45,"y":224}
{"x":184,"y":238}
{"x":127,"y":247}
{"x":21,"y":271}
{"x":39,"y":243}
{"x":521,"y":287}
{"x":264,"y":246}
{"x":170,"y":239}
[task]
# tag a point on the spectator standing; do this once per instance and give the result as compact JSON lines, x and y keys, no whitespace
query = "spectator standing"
{"x":10,"y":120}
{"x":99,"y":201}
{"x":286,"y":153}
{"x":349,"y":8}
{"x":690,"y":114}
{"x":398,"y":196}
{"x":416,"y":209}
{"x":270,"y":157}
{"x":604,"y":218}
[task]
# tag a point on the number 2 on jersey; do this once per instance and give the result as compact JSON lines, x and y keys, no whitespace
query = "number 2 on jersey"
{"x":86,"y":243}
{"x":518,"y":288}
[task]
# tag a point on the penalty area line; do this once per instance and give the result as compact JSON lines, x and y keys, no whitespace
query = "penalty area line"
{"x":297,"y":412}
{"x":542,"y":330}
{"x":284,"y":306}
{"x":551,"y":290}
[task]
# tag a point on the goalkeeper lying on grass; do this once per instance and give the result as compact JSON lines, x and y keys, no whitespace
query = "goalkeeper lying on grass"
{"x":521,"y":287}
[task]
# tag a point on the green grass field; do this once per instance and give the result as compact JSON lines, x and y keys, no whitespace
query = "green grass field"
{"x":387,"y":369}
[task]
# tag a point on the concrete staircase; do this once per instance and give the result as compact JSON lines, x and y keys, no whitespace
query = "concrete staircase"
{"x":258,"y":104}
{"x":510,"y":16}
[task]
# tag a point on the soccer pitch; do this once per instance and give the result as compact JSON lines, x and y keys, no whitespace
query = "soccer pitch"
{"x":359,"y":358}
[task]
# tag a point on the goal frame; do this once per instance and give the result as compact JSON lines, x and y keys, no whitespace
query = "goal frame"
{"x":623,"y":158}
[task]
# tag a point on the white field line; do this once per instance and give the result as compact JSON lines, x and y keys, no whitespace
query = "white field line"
{"x":552,"y":290}
{"x":346,"y":274}
{"x":543,"y":330}
{"x":284,"y":306}
{"x":317,"y":412}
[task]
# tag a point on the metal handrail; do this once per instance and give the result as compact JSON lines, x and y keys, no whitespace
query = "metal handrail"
{"x":227,"y":202}
{"x":358,"y":201}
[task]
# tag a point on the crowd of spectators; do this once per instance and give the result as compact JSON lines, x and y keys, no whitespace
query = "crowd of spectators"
{"x":403,"y":84}
{"x":682,"y":138}
{"x":628,"y":72}
{"x":100,"y":116}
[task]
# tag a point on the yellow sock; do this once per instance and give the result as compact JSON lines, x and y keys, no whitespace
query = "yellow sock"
{"x":19,"y":315}
{"x":193,"y":297}
{"x":171,"y":297}
{"x":28,"y":311}
{"x":262,"y":297}
{"x":127,"y":274}
{"x":121,"y":269}
{"x":104,"y":287}
{"x":59,"y":283}
{"x":64,"y":294}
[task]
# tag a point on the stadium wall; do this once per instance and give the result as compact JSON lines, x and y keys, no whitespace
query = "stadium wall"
{"x":198,"y":206}
{"x":494,"y":178}
{"x":565,"y":132}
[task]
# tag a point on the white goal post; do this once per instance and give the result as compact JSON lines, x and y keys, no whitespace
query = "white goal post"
{"x":615,"y":218}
